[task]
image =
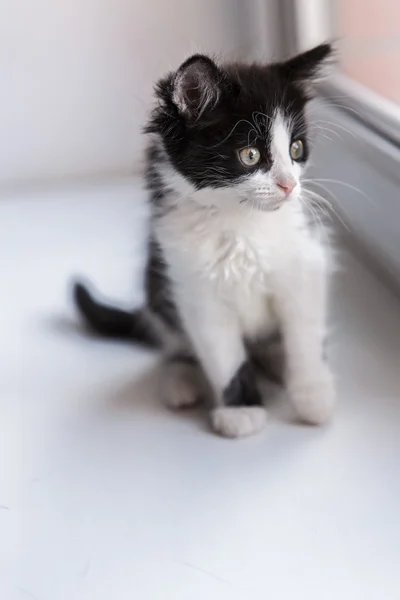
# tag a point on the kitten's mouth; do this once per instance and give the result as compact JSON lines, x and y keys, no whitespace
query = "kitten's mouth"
{"x":265,"y":203}
{"x":270,"y":205}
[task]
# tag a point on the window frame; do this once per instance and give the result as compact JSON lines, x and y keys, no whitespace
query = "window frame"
{"x":311,"y":22}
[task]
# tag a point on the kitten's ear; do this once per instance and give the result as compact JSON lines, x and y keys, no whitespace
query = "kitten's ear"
{"x":196,"y":86}
{"x":309,"y":67}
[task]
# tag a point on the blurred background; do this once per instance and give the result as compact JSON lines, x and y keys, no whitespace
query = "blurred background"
{"x":104,"y":494}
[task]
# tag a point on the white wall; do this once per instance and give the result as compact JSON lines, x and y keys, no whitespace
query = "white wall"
{"x":76,"y":75}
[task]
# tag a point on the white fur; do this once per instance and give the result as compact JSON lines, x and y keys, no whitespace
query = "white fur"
{"x":283,"y":171}
{"x":239,"y":268}
{"x":181,"y":385}
{"x":313,"y":398}
{"x":238,"y":422}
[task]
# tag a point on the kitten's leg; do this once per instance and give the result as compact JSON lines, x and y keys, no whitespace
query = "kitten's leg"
{"x":302,"y":305}
{"x":241,"y":411}
{"x":182,"y":382}
{"x":216,"y":338}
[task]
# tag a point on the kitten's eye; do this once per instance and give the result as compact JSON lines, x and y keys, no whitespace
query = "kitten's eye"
{"x":249,"y":156}
{"x":297,"y":150}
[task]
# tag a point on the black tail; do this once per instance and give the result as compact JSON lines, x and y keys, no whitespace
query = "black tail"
{"x":138,"y":326}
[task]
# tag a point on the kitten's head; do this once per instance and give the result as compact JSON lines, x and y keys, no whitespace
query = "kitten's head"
{"x":238,"y":128}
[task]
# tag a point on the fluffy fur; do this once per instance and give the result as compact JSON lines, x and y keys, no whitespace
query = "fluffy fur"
{"x":232,"y":260}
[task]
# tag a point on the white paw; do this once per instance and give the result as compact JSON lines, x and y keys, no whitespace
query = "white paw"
{"x":314,"y":399}
{"x":238,"y":422}
{"x":181,"y":385}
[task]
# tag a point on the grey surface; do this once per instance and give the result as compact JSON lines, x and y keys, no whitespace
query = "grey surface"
{"x":108,"y":495}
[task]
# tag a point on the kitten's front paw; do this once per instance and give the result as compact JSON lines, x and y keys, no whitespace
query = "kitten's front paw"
{"x":238,"y":422}
{"x":314,"y":399}
{"x":181,"y":385}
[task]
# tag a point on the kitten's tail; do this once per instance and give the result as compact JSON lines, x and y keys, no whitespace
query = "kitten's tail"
{"x":140,"y":325}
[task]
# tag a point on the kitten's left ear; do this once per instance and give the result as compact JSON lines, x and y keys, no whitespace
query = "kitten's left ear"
{"x":197,"y":86}
{"x":309,"y":67}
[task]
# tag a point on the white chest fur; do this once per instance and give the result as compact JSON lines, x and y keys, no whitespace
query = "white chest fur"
{"x":234,"y":258}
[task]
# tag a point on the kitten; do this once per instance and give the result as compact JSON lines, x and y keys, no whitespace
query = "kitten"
{"x":232,"y":261}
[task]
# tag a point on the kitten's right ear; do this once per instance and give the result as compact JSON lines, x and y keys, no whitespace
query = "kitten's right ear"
{"x":196,"y":86}
{"x":311,"y":66}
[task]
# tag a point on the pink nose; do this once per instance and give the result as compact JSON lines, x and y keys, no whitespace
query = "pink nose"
{"x":287,"y":186}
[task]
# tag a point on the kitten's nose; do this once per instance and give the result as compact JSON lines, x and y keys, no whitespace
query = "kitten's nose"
{"x":286,"y":185}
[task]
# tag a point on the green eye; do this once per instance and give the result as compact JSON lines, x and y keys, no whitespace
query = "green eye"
{"x":249,"y":156}
{"x":296,"y":150}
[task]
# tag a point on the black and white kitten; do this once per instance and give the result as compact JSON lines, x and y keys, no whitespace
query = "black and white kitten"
{"x":232,"y":260}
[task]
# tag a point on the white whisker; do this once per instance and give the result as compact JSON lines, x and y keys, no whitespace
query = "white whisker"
{"x":316,"y":198}
{"x":348,"y":185}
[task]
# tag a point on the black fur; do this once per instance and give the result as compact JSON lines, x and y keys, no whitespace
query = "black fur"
{"x":242,"y":390}
{"x":158,"y":287}
{"x":202,"y":140}
{"x":181,"y":357}
{"x":116,"y":323}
